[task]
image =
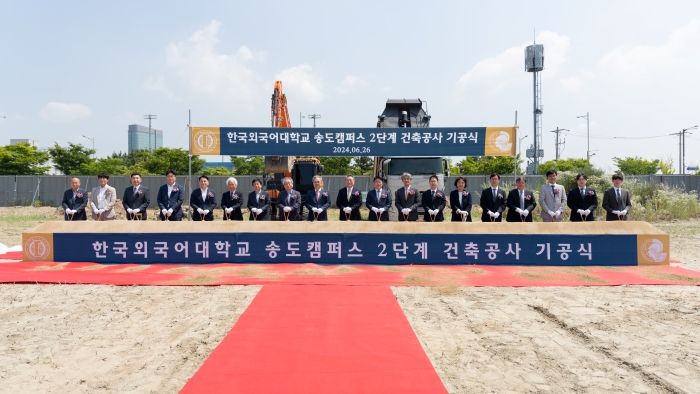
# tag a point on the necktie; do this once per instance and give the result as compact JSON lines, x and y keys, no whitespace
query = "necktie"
{"x":619,"y":198}
{"x":581,"y":192}
{"x":317,"y":195}
{"x":349,"y":193}
{"x":433,"y":194}
{"x":522,"y":201}
{"x":289,"y":195}
{"x":494,"y":194}
{"x":378,"y":194}
{"x":136,"y":189}
{"x":552,"y":189}
{"x":406,"y":194}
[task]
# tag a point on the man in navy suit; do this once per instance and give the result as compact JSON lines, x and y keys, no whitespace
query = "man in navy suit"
{"x":258,"y":202}
{"x":136,"y":199}
{"x":349,"y":200}
{"x":74,"y":201}
{"x":203,"y":201}
{"x":318,"y":201}
{"x":231,"y":201}
{"x":407,"y":200}
{"x":170,"y":198}
{"x":521,"y":202}
{"x":493,"y":201}
{"x":379,"y":202}
{"x":433,"y":202}
{"x":288,"y":202}
{"x":582,"y":200}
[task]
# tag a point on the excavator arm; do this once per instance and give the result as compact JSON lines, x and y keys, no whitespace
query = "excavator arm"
{"x":279,"y":112}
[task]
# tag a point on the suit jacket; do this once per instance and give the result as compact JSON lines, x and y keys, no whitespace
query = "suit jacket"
{"x":263,"y":203}
{"x":208,"y":203}
{"x":141,"y":201}
{"x":355,"y":203}
{"x":513,"y":202}
{"x":465,"y":206}
{"x":437,"y":202}
{"x":234,"y":201}
{"x":324,"y":202}
{"x":79,"y":203}
{"x":110,"y":197}
{"x":610,"y":203}
{"x":552,"y":201}
{"x":487,"y":204}
{"x":174,"y":201}
{"x":294,"y":203}
{"x":588,"y":201}
{"x":384,"y":201}
{"x":413,"y":201}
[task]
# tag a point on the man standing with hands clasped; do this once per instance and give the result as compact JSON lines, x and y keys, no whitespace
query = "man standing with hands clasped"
{"x":318,"y":201}
{"x":170,"y":198}
{"x":136,"y":199}
{"x":616,"y":200}
{"x":493,"y":201}
{"x":379,"y":202}
{"x":582,"y":200}
{"x":74,"y":201}
{"x":407,"y":200}
{"x":552,"y":199}
{"x":349,"y":200}
{"x":102,"y":199}
{"x":203,"y":201}
{"x":521,"y":202}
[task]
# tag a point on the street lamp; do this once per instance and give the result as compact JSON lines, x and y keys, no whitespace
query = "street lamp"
{"x":588,"y":136}
{"x":93,"y":144}
{"x":520,"y":147}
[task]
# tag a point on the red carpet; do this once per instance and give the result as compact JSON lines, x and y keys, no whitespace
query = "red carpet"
{"x":235,"y":274}
{"x":319,"y":339}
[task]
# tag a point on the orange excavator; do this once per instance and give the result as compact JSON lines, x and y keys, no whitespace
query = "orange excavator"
{"x":301,"y":170}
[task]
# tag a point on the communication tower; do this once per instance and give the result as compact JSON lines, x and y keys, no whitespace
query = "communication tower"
{"x":534,"y":63}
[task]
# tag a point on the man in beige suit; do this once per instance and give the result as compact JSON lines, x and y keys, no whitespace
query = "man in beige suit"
{"x":552,"y":199}
{"x":102,"y":199}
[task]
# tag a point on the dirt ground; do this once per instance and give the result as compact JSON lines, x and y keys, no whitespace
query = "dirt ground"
{"x":67,"y":339}
{"x":111,"y":339}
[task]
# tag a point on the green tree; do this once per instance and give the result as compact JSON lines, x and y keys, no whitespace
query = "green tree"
{"x":22,"y":159}
{"x":484,"y":165}
{"x":68,"y":160}
{"x":571,"y":164}
{"x":163,"y":159}
{"x":362,"y":165}
{"x":336,"y":165}
{"x":636,"y":166}
{"x":136,"y":160}
{"x":216,"y":171}
{"x":248,"y":165}
{"x":108,"y":165}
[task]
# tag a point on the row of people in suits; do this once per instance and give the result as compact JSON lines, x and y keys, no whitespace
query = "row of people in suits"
{"x":520,"y":202}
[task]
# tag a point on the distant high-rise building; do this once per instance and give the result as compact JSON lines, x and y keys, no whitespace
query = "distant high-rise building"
{"x":30,"y":142}
{"x":139,"y":137}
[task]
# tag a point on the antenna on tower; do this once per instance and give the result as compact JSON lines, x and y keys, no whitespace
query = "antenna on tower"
{"x":534,"y":63}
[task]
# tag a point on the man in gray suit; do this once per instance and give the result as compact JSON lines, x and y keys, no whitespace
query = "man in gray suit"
{"x":407,"y":200}
{"x":616,"y":200}
{"x":102,"y":199}
{"x":552,"y":199}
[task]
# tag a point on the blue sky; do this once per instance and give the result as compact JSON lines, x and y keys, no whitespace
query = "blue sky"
{"x":90,"y":68}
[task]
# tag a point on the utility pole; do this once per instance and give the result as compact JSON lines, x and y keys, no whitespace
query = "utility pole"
{"x":681,"y":148}
{"x":314,"y":117}
{"x":150,"y":117}
{"x":300,"y":119}
{"x":558,"y":130}
{"x":588,"y":136}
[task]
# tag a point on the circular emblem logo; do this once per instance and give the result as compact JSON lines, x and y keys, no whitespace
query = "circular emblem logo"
{"x":500,"y":141}
{"x":37,"y":248}
{"x":205,"y":140}
{"x":652,"y":250}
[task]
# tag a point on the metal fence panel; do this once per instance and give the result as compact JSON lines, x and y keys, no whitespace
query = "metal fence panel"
{"x":7,"y":187}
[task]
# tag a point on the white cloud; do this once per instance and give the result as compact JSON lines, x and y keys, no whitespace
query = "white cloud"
{"x":493,"y":74}
{"x":64,"y":112}
{"x":158,"y":85}
{"x":571,"y":84}
{"x":680,"y":52}
{"x":205,"y":70}
{"x":300,"y":82}
{"x":351,"y":82}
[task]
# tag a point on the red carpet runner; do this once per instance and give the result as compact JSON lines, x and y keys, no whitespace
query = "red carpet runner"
{"x":319,"y":339}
